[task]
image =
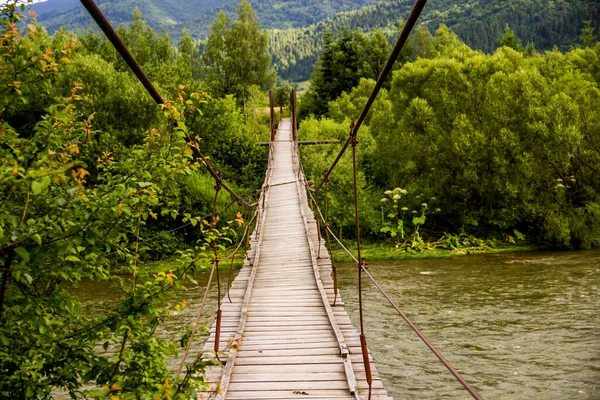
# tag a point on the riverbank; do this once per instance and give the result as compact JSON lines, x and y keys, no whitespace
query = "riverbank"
{"x":371,"y":251}
{"x":382,"y":251}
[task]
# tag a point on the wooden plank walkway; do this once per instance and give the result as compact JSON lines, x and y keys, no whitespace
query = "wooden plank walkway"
{"x":280,"y":337}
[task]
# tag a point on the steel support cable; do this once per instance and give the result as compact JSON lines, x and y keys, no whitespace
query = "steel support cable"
{"x":232,"y":255}
{"x":402,"y":38}
{"x":118,"y":44}
{"x":439,"y":355}
{"x":110,"y":33}
{"x":421,"y":336}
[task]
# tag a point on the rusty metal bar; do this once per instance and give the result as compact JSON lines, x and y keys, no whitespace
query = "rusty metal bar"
{"x":110,"y":33}
{"x":272,"y":111}
{"x":446,"y":363}
{"x":293,"y":108}
{"x":280,"y":105}
{"x":408,"y":26}
{"x":363,"y":337}
{"x":435,"y":351}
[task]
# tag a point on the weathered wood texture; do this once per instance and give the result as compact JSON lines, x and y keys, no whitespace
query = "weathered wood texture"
{"x":280,"y":337}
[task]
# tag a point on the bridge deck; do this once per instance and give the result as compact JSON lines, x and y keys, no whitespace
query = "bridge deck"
{"x":280,"y":337}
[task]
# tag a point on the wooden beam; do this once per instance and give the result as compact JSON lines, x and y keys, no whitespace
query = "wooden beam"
{"x":307,"y":142}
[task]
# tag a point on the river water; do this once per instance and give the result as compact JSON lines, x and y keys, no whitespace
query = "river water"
{"x":515,"y":330}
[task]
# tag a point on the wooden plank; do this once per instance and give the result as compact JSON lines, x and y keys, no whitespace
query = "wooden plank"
{"x":289,"y":377}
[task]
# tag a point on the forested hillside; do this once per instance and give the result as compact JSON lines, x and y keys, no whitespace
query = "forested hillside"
{"x":479,"y":24}
{"x":160,"y":15}
{"x":296,"y":39}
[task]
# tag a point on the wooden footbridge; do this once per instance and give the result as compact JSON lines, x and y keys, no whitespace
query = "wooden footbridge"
{"x":281,"y":336}
{"x":282,"y":332}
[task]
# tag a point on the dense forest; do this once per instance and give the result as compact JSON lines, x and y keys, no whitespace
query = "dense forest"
{"x":297,"y":28}
{"x":544,"y":24}
{"x":462,"y":144}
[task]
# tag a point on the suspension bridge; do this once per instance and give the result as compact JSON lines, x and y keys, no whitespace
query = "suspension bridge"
{"x":281,"y":330}
{"x":281,"y":334}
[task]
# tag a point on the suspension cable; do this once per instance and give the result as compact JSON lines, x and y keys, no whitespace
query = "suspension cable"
{"x":402,"y":38}
{"x":191,"y":338}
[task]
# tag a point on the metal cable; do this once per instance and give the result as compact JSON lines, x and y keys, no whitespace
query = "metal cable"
{"x":190,"y":339}
{"x":402,"y":38}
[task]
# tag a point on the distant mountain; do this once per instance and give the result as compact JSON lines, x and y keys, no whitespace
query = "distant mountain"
{"x":169,"y":15}
{"x":195,"y":15}
{"x":479,"y":23}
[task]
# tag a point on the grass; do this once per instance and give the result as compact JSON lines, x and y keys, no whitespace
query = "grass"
{"x":169,"y":263}
{"x":373,"y":251}
{"x":386,"y":251}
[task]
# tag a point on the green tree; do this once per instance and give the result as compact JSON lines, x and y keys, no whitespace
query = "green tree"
{"x":377,"y":51}
{"x":422,"y":41}
{"x":77,"y":204}
{"x":587,"y":34}
{"x":236,"y":55}
{"x":339,"y":69}
{"x":509,"y":39}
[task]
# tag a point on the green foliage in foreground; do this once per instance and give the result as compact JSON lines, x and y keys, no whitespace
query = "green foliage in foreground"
{"x":95,"y":179}
{"x":507,"y":143}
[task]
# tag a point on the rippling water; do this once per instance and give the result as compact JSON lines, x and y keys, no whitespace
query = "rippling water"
{"x":515,"y":331}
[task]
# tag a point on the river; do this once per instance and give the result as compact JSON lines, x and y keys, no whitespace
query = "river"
{"x":515,"y":330}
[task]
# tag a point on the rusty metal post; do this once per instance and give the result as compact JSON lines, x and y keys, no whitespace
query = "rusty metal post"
{"x":272,"y":113}
{"x":293,"y":109}
{"x":361,"y":263}
{"x":280,"y":105}
{"x":326,"y":222}
{"x":120,"y":47}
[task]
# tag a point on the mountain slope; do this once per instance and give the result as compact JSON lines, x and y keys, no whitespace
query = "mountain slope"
{"x":296,"y":44}
{"x":479,"y":23}
{"x":195,"y":15}
{"x":160,"y":14}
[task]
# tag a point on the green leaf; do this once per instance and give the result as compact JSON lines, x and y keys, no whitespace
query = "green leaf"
{"x":37,"y":238}
{"x":72,"y":258}
{"x":38,"y":186}
{"x":22,"y":253}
